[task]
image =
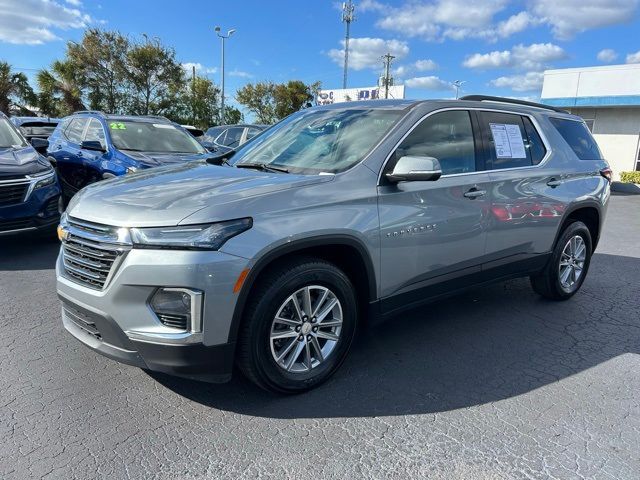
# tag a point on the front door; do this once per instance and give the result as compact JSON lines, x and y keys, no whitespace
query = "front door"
{"x":433,"y":231}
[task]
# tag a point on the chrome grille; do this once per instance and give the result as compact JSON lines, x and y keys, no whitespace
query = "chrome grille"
{"x":88,"y":260}
{"x":13,"y":192}
{"x":82,"y":323}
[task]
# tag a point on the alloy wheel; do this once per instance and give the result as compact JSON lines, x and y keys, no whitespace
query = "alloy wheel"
{"x":572,"y":262}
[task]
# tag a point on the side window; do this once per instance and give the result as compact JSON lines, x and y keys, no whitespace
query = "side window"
{"x":252,"y":132}
{"x":95,"y":133}
{"x":505,"y":140}
{"x":232,"y":139}
{"x":535,"y":145}
{"x":446,"y":136}
{"x":578,"y":137}
{"x":75,"y":129}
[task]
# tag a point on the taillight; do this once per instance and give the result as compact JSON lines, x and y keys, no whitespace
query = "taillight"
{"x":606,"y":173}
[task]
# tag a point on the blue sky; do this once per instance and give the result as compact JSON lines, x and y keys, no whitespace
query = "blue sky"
{"x":498,"y":47}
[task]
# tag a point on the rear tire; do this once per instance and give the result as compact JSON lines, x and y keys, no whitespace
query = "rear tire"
{"x":568,"y":266}
{"x":289,"y":349}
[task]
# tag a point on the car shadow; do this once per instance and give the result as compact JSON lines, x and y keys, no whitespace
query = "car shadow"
{"x":483,"y":346}
{"x":28,"y":252}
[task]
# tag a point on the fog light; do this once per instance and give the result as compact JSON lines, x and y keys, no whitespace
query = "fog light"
{"x":179,"y":308}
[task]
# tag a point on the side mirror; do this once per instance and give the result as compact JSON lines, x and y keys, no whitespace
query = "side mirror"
{"x":92,"y":145}
{"x":40,"y":145}
{"x":409,"y":169}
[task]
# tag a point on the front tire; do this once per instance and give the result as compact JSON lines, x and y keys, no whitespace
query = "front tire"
{"x":298,"y":326}
{"x":564,"y":274}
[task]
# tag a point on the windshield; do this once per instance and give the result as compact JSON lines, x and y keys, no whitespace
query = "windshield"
{"x":38,"y":128}
{"x":315,"y":141}
{"x":9,"y":137}
{"x":152,"y":137}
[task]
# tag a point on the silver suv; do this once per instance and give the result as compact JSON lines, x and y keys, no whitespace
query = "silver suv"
{"x":336,"y":214}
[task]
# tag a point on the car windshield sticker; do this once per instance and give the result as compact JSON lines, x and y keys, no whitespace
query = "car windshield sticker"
{"x":117,"y":126}
{"x":163,"y":125}
{"x":507,"y":140}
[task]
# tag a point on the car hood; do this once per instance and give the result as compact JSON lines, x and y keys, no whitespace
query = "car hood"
{"x":166,"y":195}
{"x":21,"y":161}
{"x":156,"y":159}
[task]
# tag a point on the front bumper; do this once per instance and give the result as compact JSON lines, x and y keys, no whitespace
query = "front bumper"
{"x":39,"y":212}
{"x":117,"y":321}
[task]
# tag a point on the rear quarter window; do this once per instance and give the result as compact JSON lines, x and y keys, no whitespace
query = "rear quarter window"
{"x":577,"y":135}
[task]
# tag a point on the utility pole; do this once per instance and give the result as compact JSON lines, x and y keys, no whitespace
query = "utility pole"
{"x":387,"y":75}
{"x":347,"y":18}
{"x":223,"y":38}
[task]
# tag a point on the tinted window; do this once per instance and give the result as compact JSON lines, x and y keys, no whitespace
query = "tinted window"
{"x":535,"y":146}
{"x":447,"y":136}
{"x":75,"y":129}
{"x":95,"y":133}
{"x":232,"y":137}
{"x":578,"y":137}
{"x":505,"y":140}
{"x":252,"y":132}
{"x":9,"y":136}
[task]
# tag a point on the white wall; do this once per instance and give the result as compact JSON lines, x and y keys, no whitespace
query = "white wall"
{"x":605,"y":81}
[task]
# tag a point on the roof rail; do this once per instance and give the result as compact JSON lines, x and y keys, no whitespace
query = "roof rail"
{"x":159,"y":117}
{"x":489,"y":98}
{"x":95,"y":112}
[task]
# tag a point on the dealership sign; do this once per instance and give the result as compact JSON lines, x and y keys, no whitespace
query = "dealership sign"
{"x":327,"y":97}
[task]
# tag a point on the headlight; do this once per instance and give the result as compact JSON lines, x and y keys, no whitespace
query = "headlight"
{"x":45,"y":181}
{"x":207,"y":237}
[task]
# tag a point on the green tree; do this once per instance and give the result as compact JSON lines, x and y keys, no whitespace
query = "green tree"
{"x":60,"y":89}
{"x":154,"y":77}
{"x":101,"y":57}
{"x":271,"y":102}
{"x":196,"y":103}
{"x":14,"y":89}
{"x":232,"y":115}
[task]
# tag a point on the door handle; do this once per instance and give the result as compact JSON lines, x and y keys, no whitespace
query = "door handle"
{"x":475,"y":193}
{"x":554,"y":182}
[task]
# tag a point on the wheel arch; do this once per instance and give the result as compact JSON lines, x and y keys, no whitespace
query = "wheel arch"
{"x":588,"y":213}
{"x":345,"y":251}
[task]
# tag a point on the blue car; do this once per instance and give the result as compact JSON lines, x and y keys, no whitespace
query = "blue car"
{"x":90,"y":146}
{"x":29,"y":190}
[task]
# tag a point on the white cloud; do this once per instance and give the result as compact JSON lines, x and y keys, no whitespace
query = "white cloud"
{"x":607,"y":55}
{"x":633,"y":57}
{"x":367,"y":52}
{"x":428,"y":83}
{"x":424,"y":65}
{"x":369,"y":6}
{"x":75,"y":3}
{"x":240,"y":74}
{"x":455,"y":19}
{"x":530,"y":57}
{"x":515,"y":24}
{"x":569,"y":17}
{"x":34,"y":22}
{"x":188,"y":66}
{"x":528,"y":82}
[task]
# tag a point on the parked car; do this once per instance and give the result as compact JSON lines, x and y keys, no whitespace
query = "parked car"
{"x":35,"y":127}
{"x":194,"y":131}
{"x":336,"y":213}
{"x":89,"y":146}
{"x":29,"y":190}
{"x":223,"y":138}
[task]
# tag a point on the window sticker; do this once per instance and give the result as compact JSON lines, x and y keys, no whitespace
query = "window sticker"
{"x":164,"y":125}
{"x":508,"y":140}
{"x":117,"y":126}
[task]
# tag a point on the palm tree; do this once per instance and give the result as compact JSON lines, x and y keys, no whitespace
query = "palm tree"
{"x":60,"y":91}
{"x":14,"y":89}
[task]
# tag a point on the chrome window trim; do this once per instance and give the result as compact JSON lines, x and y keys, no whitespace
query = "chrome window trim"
{"x":534,"y":121}
{"x":33,"y":180}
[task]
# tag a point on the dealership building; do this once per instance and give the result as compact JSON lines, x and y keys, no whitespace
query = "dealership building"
{"x":608,"y":98}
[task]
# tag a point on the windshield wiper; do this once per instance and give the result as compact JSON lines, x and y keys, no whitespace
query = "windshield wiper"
{"x":262,"y":166}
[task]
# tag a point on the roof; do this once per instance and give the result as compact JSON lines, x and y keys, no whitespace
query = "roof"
{"x":123,"y":118}
{"x":20,"y":120}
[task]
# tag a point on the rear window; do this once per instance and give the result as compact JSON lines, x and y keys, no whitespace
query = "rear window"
{"x":578,"y":137}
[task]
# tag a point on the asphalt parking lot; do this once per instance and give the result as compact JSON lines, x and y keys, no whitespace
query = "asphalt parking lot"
{"x":496,"y":383}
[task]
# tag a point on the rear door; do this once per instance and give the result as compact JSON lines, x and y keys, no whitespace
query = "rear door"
{"x":433,"y":231}
{"x":524,"y":212}
{"x":69,"y":160}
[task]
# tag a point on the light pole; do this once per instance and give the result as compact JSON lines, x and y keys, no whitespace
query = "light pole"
{"x":457,"y":84}
{"x":223,"y":38}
